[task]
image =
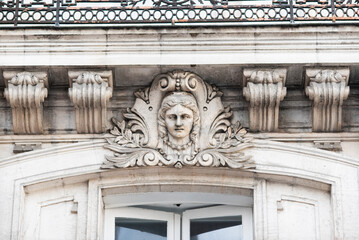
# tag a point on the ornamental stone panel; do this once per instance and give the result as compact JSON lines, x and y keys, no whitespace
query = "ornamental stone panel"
{"x":178,"y":121}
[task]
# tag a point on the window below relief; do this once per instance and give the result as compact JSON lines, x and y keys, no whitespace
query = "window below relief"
{"x":181,"y":220}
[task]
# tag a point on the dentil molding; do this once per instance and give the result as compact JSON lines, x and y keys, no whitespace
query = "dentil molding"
{"x":26,"y":92}
{"x":90,"y":92}
{"x":327,"y":88}
{"x":264,"y":89}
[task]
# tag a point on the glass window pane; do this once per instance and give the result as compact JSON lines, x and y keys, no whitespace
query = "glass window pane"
{"x":224,"y":228}
{"x":140,"y":229}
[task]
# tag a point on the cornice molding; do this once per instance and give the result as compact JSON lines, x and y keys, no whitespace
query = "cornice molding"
{"x":229,"y":45}
{"x":273,"y":136}
{"x":97,"y":145}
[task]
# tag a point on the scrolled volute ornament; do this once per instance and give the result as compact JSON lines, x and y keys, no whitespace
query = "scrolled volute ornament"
{"x":180,"y":122}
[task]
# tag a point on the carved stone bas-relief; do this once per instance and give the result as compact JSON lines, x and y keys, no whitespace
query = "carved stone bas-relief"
{"x":26,"y":92}
{"x":179,"y":120}
{"x":90,"y":92}
{"x":264,"y":89}
{"x":327,"y":88}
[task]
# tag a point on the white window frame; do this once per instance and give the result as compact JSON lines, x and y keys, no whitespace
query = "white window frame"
{"x":219,"y":211}
{"x":173,"y":231}
{"x":174,"y":221}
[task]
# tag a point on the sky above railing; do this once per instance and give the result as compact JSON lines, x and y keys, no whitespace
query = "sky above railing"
{"x":174,"y":12}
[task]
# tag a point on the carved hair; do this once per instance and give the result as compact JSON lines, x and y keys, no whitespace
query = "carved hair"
{"x":186,"y":100}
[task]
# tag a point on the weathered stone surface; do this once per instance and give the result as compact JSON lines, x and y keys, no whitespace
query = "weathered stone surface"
{"x":329,"y":145}
{"x":173,"y":46}
{"x":26,"y":147}
{"x":321,"y":179}
{"x":294,"y":116}
{"x":293,"y":180}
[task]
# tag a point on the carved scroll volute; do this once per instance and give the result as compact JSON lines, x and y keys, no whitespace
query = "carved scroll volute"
{"x":264,"y":89}
{"x":327,"y":88}
{"x":90,"y":92}
{"x":26,"y":92}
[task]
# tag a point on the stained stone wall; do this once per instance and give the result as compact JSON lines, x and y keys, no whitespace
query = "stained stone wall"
{"x":301,"y":171}
{"x":294,"y":115}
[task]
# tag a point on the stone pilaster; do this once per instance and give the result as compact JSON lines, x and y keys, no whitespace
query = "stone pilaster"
{"x":90,"y":92}
{"x":327,"y":88}
{"x":264,"y":89}
{"x":26,"y":92}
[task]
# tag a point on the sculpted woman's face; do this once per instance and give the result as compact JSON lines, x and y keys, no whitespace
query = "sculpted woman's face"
{"x":179,"y":121}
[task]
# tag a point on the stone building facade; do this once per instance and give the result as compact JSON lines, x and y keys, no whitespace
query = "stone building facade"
{"x":254,"y":126}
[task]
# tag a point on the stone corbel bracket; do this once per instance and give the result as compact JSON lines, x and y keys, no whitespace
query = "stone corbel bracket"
{"x":327,"y":88}
{"x":264,"y":89}
{"x":26,"y":92}
{"x":89,"y":92}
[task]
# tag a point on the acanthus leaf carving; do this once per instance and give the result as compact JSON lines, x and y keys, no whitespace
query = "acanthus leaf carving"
{"x":233,"y":158}
{"x":327,"y":88}
{"x":178,"y":127}
{"x":90,"y":92}
{"x":133,"y":133}
{"x":131,"y":156}
{"x":26,"y":92}
{"x":223,"y":134}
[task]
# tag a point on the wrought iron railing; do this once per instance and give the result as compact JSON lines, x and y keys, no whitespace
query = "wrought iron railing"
{"x":72,"y":12}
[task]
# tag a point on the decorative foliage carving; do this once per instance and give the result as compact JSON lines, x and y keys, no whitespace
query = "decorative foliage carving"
{"x":90,"y":93}
{"x":132,"y":134}
{"x":182,"y":123}
{"x":224,"y":134}
{"x":26,"y":92}
{"x":143,"y":94}
{"x":264,"y":89}
{"x":212,"y":92}
{"x":327,"y":88}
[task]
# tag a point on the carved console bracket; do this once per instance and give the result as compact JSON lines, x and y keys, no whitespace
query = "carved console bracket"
{"x":327,"y":88}
{"x":264,"y":89}
{"x":90,"y":92}
{"x":26,"y":92}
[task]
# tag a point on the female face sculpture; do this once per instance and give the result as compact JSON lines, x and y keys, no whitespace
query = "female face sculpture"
{"x":179,"y":118}
{"x":179,"y":122}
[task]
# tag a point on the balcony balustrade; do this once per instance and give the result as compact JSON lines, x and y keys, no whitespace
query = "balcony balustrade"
{"x":174,"y":12}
